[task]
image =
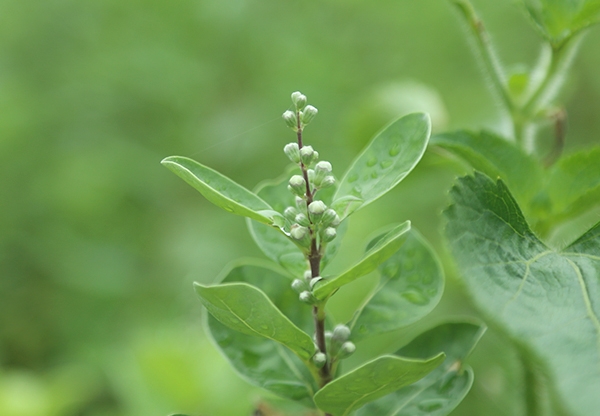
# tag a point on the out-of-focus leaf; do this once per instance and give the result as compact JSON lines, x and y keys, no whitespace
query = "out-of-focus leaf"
{"x":386,"y":160}
{"x":222,"y":191}
{"x":412,"y":282}
{"x":385,"y":247}
{"x":247,"y":309}
{"x":371,"y":381}
{"x":547,"y":300}
{"x":259,"y":360}
{"x":438,"y":393}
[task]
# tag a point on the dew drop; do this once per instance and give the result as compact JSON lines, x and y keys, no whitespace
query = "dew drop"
{"x":416,"y":297}
{"x":352,"y":178}
{"x":264,"y":327}
{"x":394,"y":150}
{"x":385,"y":164}
{"x":374,"y":175}
{"x":431,"y":405}
{"x":372,"y":161}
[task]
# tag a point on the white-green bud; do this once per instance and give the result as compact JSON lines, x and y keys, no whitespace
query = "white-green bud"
{"x":307,"y":297}
{"x":328,"y":335}
{"x":308,"y":155}
{"x":300,"y":203}
{"x":292,"y":151}
{"x":341,"y":333}
{"x":299,"y":286}
{"x":346,"y":350}
{"x":290,"y":213}
{"x":308,"y":114}
{"x":329,"y":234}
{"x":314,"y":281}
{"x":299,"y":100}
{"x":327,"y":218}
{"x":327,"y":182}
{"x":316,"y":208}
{"x":336,"y":221}
{"x":290,"y":119}
{"x":307,"y":275}
{"x":319,"y":359}
{"x":298,"y":232}
{"x":302,"y":220}
{"x":297,"y":185}
{"x":311,"y":175}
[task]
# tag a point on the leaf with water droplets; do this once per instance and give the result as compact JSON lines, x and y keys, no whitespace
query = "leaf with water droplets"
{"x":379,"y":252}
{"x":372,"y":381}
{"x":547,"y":299}
{"x":262,"y":361}
{"x":247,"y":309}
{"x":438,"y":393}
{"x":386,"y":160}
{"x":222,"y":191}
{"x":411,"y":284}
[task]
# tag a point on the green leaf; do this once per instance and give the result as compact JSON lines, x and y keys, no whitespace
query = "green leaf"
{"x":222,"y":191}
{"x":438,"y":393}
{"x":390,"y":156}
{"x":411,"y":284}
{"x":259,"y":360}
{"x":547,"y":301}
{"x":496,"y":157}
{"x":560,"y":19}
{"x":385,"y":247}
{"x":275,"y":244}
{"x":371,"y":381}
{"x":248,"y":310}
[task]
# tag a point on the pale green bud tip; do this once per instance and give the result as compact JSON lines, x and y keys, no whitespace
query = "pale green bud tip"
{"x":341,"y":333}
{"x":317,"y":207}
{"x":298,"y":232}
{"x":319,"y":359}
{"x":314,"y":281}
{"x":292,"y":151}
{"x":327,"y":181}
{"x":302,"y":220}
{"x":306,"y":297}
{"x":347,"y":349}
{"x":290,"y":213}
{"x":298,"y":285}
{"x":309,"y":114}
{"x":307,"y":275}
{"x":299,"y":100}
{"x":290,"y":119}
{"x":329,"y":234}
{"x":328,"y":216}
{"x":308,"y":155}
{"x":297,"y":185}
{"x":323,"y":166}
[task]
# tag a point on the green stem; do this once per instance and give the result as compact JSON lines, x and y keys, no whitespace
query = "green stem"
{"x":532,"y":388}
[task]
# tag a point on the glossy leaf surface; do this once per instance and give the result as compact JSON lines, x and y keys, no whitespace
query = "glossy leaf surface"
{"x":411,"y":284}
{"x":385,"y":247}
{"x":371,"y":381}
{"x":547,"y":300}
{"x":386,"y":160}
{"x":259,"y":360}
{"x":438,"y":393}
{"x":247,"y":309}
{"x":222,"y":191}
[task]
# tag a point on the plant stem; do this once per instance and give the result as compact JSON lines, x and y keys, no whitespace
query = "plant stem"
{"x":532,"y":388}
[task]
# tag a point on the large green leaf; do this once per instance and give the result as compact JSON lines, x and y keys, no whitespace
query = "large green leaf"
{"x":411,"y":284}
{"x":548,"y":301}
{"x":259,"y":360}
{"x":371,"y":381}
{"x":275,"y":244}
{"x":496,"y":157}
{"x":559,"y":19}
{"x":386,"y":160}
{"x":222,"y":191}
{"x":385,"y":247}
{"x":247,"y":309}
{"x":438,"y":393}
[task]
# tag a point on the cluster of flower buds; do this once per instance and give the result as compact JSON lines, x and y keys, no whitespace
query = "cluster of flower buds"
{"x":303,"y":115}
{"x":338,"y":345}
{"x":304,"y":287}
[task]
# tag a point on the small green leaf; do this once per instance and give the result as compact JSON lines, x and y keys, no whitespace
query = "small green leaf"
{"x":248,"y":310}
{"x":385,"y":247}
{"x":412,"y":282}
{"x":259,"y":360}
{"x":548,"y":300}
{"x":222,"y":191}
{"x":438,"y":393}
{"x":371,"y":381}
{"x":496,"y":157}
{"x":386,"y":160}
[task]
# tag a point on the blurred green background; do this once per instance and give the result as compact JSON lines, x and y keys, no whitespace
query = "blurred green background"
{"x":99,"y":244}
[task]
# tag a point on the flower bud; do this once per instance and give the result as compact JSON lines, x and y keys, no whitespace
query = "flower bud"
{"x":327,"y":182}
{"x":328,"y":217}
{"x":346,"y":350}
{"x":341,"y":333}
{"x":300,"y":203}
{"x":314,"y":281}
{"x":329,"y":234}
{"x":308,"y":114}
{"x":317,"y":208}
{"x":302,"y":220}
{"x":319,"y":359}
{"x":292,"y":151}
{"x":299,"y":100}
{"x":328,"y":335}
{"x":308,"y":275}
{"x":290,"y":213}
{"x":290,"y":119}
{"x":308,"y":155}
{"x":307,"y":297}
{"x":299,"y":286}
{"x":298,"y":232}
{"x":297,"y":185}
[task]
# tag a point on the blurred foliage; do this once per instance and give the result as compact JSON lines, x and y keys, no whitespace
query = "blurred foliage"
{"x":99,"y":244}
